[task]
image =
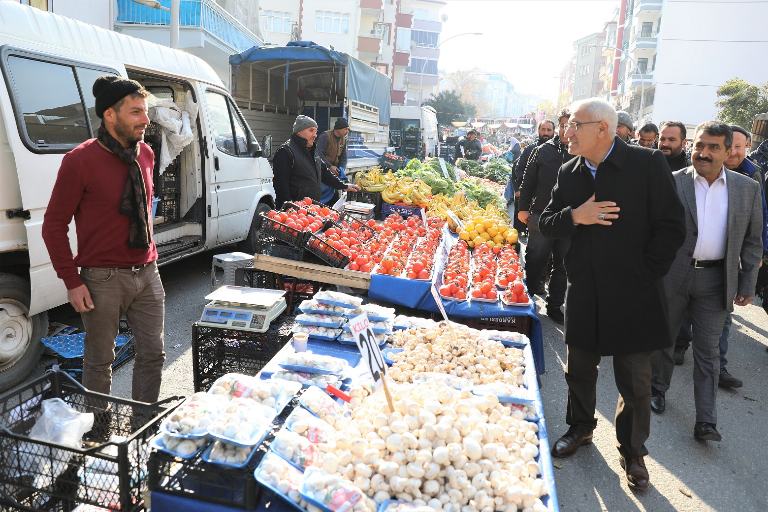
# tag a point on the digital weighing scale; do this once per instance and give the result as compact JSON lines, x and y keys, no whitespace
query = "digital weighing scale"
{"x":243,"y":308}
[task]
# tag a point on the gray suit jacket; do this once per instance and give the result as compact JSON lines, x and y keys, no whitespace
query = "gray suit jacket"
{"x":744,"y":249}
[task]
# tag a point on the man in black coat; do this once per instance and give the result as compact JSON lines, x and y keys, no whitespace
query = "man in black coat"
{"x":617,"y":203}
{"x":546,"y":131}
{"x":538,"y":180}
{"x":297,"y":170}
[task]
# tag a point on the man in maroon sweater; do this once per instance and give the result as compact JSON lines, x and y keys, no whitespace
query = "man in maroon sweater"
{"x":106,"y":184}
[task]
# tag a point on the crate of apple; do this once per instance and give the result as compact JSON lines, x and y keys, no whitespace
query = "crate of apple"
{"x":515,"y":295}
{"x":456,"y":273}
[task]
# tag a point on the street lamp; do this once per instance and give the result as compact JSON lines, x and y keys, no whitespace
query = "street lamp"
{"x":424,"y":61}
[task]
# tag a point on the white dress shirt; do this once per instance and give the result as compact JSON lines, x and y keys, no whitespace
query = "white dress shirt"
{"x":712,"y":215}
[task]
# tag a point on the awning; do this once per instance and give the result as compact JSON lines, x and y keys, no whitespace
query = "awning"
{"x":459,"y":124}
{"x":510,"y":125}
{"x":312,"y":63}
{"x":478,"y":124}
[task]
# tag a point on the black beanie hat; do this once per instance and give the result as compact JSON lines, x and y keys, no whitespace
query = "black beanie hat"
{"x":340,"y":124}
{"x":109,"y":89}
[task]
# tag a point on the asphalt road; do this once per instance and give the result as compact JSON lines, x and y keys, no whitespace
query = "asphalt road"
{"x":685,"y":474}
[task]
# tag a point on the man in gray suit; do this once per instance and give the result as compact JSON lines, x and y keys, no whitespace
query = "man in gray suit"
{"x":715,"y":268}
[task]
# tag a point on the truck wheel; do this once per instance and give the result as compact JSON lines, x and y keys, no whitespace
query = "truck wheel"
{"x":20,"y":334}
{"x":249,"y":244}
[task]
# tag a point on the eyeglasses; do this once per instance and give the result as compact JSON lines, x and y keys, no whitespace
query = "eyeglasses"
{"x":575,"y":125}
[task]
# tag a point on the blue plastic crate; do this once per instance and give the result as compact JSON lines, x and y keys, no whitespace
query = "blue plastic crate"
{"x":70,"y":349}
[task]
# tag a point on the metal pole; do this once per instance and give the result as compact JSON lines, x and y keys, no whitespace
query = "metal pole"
{"x":175,"y":10}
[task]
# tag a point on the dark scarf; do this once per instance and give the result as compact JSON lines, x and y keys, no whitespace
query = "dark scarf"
{"x":133,"y":202}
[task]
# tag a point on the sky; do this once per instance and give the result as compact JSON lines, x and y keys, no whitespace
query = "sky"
{"x":529,"y":41}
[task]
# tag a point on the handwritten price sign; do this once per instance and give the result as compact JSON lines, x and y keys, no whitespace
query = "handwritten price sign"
{"x":372,"y":356}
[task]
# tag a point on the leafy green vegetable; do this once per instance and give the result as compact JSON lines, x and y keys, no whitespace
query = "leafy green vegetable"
{"x":475,"y":191}
{"x":427,"y":174}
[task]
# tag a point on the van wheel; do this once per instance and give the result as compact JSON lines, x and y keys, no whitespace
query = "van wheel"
{"x":20,"y":334}
{"x":249,"y":244}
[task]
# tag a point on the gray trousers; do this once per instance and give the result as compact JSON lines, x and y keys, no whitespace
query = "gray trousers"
{"x":701,"y":298}
{"x":141,"y":298}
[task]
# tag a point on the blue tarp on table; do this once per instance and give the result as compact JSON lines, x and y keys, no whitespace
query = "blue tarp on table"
{"x":417,"y":295}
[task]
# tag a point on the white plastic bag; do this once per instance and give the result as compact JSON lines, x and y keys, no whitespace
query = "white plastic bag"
{"x":61,"y":424}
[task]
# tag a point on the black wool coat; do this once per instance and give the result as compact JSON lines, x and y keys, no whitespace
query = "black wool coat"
{"x":615,"y":302}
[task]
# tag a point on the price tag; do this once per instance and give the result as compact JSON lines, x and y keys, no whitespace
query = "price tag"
{"x":424,"y":216}
{"x":369,"y":347}
{"x":444,"y":168}
{"x":439,"y":302}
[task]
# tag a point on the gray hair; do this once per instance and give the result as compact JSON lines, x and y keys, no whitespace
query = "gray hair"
{"x":598,"y":110}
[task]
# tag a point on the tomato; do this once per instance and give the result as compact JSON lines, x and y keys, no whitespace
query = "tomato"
{"x":423,"y":274}
{"x":461,"y":294}
{"x":518,"y":288}
{"x":477,"y":294}
{"x":492,"y":295}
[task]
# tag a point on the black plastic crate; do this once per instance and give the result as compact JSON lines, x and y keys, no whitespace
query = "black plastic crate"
{"x":296,"y":290}
{"x":169,"y":181}
{"x":168,"y":209}
{"x":373,"y":198}
{"x":196,"y":479}
{"x":276,"y":229}
{"x":271,"y":246}
{"x":326,"y":252}
{"x":216,"y":351}
{"x":37,"y":475}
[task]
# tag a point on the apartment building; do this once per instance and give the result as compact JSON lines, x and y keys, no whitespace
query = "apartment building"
{"x":589,"y":59}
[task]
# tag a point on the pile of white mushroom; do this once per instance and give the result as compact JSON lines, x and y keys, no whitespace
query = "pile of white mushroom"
{"x":458,"y":351}
{"x":443,"y":448}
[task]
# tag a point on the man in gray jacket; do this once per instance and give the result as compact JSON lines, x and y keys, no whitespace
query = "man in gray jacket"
{"x":716,"y":267}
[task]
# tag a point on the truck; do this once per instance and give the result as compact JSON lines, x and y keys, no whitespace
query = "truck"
{"x":413,"y":131}
{"x":208,"y":195}
{"x":274,"y":84}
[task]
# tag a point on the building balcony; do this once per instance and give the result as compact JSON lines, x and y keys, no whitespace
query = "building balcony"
{"x":642,"y":6}
{"x":369,"y":44}
{"x":427,"y":25}
{"x":372,"y":4}
{"x":640,"y":42}
{"x":401,"y":59}
{"x":403,"y":20}
{"x":398,"y":97}
{"x":421,"y":79}
{"x":205,"y":16}
{"x":638,"y":79}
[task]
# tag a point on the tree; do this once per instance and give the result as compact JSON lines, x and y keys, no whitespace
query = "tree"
{"x":449,"y":107}
{"x":549,"y":109}
{"x":739,"y":102}
{"x":469,"y":86}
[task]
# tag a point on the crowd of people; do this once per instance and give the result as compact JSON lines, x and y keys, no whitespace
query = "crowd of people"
{"x":655,"y":241}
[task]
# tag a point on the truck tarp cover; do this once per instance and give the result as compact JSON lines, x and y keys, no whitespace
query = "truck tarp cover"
{"x":364,"y":84}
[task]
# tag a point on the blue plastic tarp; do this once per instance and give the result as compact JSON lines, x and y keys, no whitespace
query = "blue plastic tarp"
{"x":364,"y":84}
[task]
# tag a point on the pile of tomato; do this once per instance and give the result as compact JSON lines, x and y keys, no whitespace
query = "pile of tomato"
{"x":318,"y":210}
{"x":423,"y":256}
{"x":516,"y":294}
{"x":510,"y":269}
{"x":300,"y":220}
{"x":456,"y":273}
{"x":484,"y":276}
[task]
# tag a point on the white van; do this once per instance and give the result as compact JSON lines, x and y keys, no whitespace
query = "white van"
{"x":208,"y":196}
{"x":413,"y":130}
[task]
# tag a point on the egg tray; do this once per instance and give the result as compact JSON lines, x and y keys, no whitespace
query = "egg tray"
{"x":213,"y":483}
{"x":38,"y":475}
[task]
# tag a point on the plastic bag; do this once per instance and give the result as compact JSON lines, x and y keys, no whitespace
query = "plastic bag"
{"x":309,"y":426}
{"x":334,"y":493}
{"x":61,"y":424}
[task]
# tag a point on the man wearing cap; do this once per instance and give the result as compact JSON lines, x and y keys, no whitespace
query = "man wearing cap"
{"x":298,"y":169}
{"x":625,"y":129}
{"x":332,"y":150}
{"x":106,"y":185}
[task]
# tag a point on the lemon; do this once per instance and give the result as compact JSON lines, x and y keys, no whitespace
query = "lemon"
{"x":478,"y":240}
{"x":493,"y":231}
{"x":480,"y":227}
{"x":464,"y":235}
{"x":473,"y":235}
{"x":498,"y":239}
{"x":485,"y":236}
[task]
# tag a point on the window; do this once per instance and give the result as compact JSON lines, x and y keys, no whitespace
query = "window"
{"x":646,"y":30}
{"x":642,"y":66}
{"x":222,"y":113}
{"x":332,"y":22}
{"x":52,"y":112}
{"x":423,"y":66}
{"x":38,"y":4}
{"x":277,"y":21}
{"x":422,"y":38}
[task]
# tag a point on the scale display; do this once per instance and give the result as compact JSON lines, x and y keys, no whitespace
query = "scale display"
{"x":248,"y":309}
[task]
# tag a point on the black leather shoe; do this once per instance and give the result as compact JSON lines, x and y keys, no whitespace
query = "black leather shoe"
{"x":658,"y":401}
{"x":637,"y":473}
{"x":679,"y":356}
{"x":728,"y":381}
{"x":555,"y":314}
{"x":570,"y":442}
{"x":706,"y":432}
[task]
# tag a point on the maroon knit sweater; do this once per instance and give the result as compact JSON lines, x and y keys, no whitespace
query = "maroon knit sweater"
{"x":89,"y":187}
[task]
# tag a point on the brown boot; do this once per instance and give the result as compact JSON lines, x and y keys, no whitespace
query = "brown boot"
{"x":637,"y":474}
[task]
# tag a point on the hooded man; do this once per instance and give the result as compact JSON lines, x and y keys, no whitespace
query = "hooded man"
{"x":298,"y":171}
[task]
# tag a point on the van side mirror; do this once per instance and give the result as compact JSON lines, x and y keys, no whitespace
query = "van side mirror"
{"x":266,"y":146}
{"x":254,"y":149}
